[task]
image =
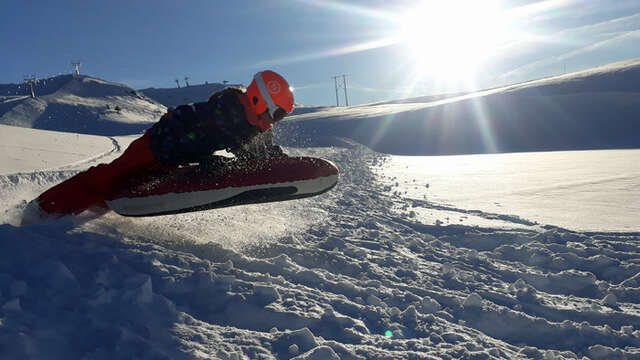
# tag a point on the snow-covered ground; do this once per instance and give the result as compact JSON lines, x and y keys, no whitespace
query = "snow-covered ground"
{"x":365,"y":271}
{"x":577,"y":190}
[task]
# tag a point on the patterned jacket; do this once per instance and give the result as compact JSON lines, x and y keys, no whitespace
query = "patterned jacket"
{"x":191,"y":133}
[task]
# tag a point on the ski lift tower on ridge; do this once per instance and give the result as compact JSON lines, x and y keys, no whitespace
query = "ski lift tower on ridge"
{"x":76,"y":65}
{"x":29,"y":81}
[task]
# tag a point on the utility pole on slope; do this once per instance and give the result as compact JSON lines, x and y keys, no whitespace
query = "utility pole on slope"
{"x":335,"y":82}
{"x":341,"y":84}
{"x":344,"y":82}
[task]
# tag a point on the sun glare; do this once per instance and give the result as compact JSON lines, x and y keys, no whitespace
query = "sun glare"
{"x":450,"y":39}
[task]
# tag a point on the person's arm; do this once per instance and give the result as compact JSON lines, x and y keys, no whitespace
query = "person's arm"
{"x":190,"y":133}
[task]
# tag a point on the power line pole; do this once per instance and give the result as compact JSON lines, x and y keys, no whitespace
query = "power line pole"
{"x":178,"y":83}
{"x":335,"y":82}
{"x":344,"y":82}
{"x":341,"y":84}
{"x":186,"y":80}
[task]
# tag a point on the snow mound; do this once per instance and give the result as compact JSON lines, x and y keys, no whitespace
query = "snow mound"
{"x":80,"y":104}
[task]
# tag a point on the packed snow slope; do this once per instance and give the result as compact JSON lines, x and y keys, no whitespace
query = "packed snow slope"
{"x":80,"y":104}
{"x":26,"y":150}
{"x":593,"y":109}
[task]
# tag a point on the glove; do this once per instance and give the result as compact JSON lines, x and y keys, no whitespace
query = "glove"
{"x":275,"y":151}
{"x":214,"y":161}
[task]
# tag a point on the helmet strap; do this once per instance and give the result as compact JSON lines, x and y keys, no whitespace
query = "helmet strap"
{"x":264,"y":92}
{"x":252,"y":117}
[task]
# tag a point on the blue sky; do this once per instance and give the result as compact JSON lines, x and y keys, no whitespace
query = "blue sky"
{"x":388,"y":49}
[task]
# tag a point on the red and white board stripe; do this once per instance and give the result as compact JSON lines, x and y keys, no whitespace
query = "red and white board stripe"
{"x":189,"y":189}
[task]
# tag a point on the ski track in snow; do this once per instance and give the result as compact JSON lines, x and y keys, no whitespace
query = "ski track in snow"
{"x":116,"y":149}
{"x":328,"y":288}
{"x":24,"y":186}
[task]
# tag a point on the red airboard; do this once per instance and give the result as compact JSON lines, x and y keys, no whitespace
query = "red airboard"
{"x":196,"y":178}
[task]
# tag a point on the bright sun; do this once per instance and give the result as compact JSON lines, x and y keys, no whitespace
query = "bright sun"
{"x":449,"y":39}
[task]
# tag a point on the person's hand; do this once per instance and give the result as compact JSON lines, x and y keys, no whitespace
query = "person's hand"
{"x":214,"y":162}
{"x":275,"y":151}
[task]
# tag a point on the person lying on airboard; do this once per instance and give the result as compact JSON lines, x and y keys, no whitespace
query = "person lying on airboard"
{"x":233,"y":119}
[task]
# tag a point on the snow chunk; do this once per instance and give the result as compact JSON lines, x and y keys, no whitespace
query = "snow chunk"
{"x":228,"y":265}
{"x":56,"y":274}
{"x":524,"y":292}
{"x":140,"y":289}
{"x":610,"y":300}
{"x":12,"y":306}
{"x":302,"y":338}
{"x":531,"y":352}
{"x":600,"y":352}
{"x":410,"y":315}
{"x":430,"y":306}
{"x":265,"y":294}
{"x":373,"y":300}
{"x":319,"y":353}
{"x":448,"y":271}
{"x":472,"y":301}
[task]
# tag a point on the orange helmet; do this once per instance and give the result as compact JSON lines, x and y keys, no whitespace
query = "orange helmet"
{"x":270,"y":92}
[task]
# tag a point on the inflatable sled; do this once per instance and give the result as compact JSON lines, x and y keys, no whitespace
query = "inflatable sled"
{"x":197,"y":187}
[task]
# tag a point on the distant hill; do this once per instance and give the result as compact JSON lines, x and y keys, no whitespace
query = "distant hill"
{"x":593,"y":109}
{"x":78,"y":103}
{"x":172,"y":97}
